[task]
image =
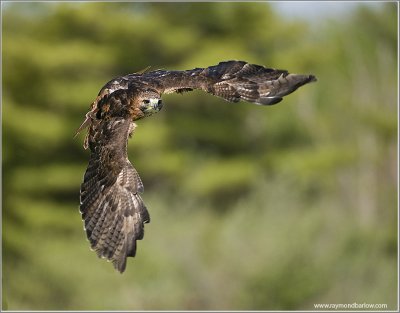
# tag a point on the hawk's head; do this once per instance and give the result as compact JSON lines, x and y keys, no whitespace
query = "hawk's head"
{"x":150,"y":102}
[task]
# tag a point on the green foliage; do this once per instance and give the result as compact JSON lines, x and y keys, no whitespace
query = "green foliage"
{"x":253,"y":208}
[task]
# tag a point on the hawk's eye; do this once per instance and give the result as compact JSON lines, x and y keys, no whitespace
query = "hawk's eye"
{"x":146,"y":101}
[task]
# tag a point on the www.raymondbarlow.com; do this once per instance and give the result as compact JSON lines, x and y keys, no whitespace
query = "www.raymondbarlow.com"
{"x":355,"y":305}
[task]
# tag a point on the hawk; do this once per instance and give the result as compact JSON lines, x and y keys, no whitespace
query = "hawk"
{"x":110,"y":203}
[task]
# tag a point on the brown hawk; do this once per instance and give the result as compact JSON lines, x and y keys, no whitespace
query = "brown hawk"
{"x":112,"y":209}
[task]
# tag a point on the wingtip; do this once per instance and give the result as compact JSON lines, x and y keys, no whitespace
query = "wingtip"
{"x":120,"y":265}
{"x":312,"y":78}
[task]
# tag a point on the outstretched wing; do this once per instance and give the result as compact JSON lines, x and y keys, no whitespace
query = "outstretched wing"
{"x":110,"y":204}
{"x":232,"y":81}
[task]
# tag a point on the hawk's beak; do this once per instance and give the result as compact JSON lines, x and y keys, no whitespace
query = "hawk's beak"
{"x":156,"y":104}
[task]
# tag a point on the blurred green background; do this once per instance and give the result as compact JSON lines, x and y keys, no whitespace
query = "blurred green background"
{"x":253,"y":208}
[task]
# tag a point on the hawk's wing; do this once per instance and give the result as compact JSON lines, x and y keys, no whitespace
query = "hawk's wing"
{"x":111,"y":206}
{"x":232,"y":81}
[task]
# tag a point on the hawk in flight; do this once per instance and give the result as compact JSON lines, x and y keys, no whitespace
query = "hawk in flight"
{"x":110,"y":203}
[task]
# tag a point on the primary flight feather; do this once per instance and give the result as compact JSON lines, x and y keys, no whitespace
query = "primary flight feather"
{"x":110,"y":203}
